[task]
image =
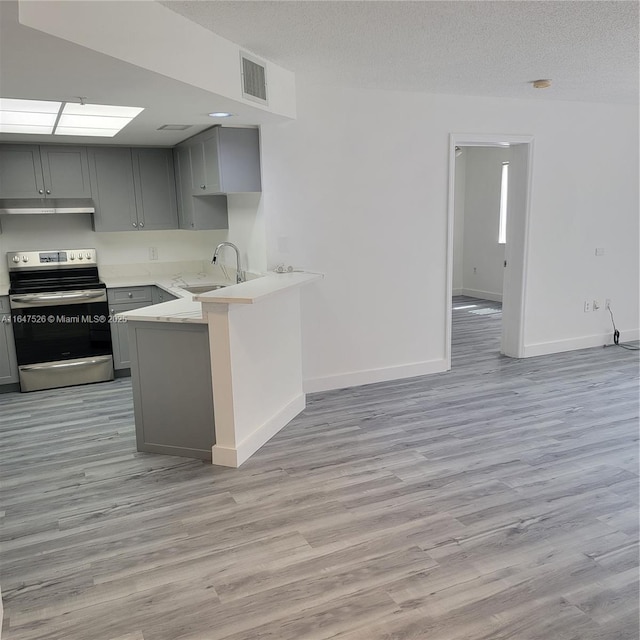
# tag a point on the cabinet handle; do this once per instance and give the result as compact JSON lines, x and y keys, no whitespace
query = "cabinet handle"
{"x":40,"y":191}
{"x":141,"y":225}
{"x":203,"y":186}
{"x":135,"y":224}
{"x":130,"y":294}
{"x":48,"y":192}
{"x":113,"y":311}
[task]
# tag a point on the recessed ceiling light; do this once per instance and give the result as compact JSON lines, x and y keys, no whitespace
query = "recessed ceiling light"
{"x":220,"y":114}
{"x":541,"y":84}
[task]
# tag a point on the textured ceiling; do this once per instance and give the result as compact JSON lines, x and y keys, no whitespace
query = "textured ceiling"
{"x":484,"y":48}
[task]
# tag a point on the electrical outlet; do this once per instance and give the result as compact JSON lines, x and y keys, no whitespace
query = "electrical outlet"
{"x":475,"y":269}
{"x":607,"y":304}
{"x":587,"y":306}
{"x":596,"y":305}
{"x":153,"y":253}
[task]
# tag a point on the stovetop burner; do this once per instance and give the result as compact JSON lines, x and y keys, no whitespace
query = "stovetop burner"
{"x":59,"y":270}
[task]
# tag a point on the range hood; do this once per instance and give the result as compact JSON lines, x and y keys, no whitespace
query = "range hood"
{"x":46,"y":205}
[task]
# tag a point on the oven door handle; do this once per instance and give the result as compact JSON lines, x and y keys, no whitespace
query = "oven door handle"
{"x":50,"y":299}
{"x":86,"y":362}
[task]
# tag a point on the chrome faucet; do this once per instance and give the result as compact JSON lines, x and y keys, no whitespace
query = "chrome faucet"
{"x":240,"y":275}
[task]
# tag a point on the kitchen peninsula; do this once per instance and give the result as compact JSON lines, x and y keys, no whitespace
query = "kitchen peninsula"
{"x":235,"y":352}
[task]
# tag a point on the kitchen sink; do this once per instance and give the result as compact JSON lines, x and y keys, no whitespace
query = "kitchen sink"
{"x":204,"y":288}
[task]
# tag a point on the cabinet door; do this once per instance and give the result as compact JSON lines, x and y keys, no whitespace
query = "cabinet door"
{"x":114,"y":195}
{"x":120,"y":337}
{"x":198,"y":170}
{"x":182,"y":165}
{"x":20,"y":171}
{"x":205,"y":168}
{"x":211,"y":163}
{"x":239,"y":156}
{"x":66,"y":171}
{"x":8,"y":365}
{"x":155,"y":187}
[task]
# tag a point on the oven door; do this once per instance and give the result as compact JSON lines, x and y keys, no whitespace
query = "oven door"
{"x":58,"y":326}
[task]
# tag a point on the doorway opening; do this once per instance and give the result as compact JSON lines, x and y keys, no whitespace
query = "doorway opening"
{"x":488,"y":212}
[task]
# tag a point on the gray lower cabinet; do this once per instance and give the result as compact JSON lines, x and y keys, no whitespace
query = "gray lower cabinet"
{"x":45,"y":171}
{"x":121,"y":300}
{"x":8,"y":364}
{"x":160,"y":295}
{"x":133,"y":189}
{"x":172,"y":392}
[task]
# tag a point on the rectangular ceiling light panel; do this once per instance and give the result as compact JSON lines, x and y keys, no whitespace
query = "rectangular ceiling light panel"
{"x":40,"y":116}
{"x":94,"y":119}
{"x":85,"y":131}
{"x":28,"y":116}
{"x":33,"y":106}
{"x":76,"y":109}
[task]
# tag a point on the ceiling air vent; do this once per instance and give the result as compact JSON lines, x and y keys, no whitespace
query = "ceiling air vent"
{"x":254,"y":78}
{"x":174,"y":127}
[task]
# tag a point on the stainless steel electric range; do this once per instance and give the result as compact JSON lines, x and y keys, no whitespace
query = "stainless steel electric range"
{"x":60,"y":321}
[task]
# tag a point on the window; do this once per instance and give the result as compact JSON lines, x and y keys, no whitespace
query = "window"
{"x":504,"y":189}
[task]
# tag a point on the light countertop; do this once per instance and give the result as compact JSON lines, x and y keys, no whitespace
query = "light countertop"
{"x":188,"y":307}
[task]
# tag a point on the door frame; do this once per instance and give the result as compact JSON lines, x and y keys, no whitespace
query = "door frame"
{"x":516,"y":292}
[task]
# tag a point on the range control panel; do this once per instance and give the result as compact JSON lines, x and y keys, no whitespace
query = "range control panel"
{"x":57,"y":258}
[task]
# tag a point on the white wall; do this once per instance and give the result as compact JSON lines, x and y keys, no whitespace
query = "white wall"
{"x":361,"y":194}
{"x":483,"y":257}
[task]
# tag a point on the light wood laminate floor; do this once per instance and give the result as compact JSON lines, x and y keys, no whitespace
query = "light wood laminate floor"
{"x":496,"y":501}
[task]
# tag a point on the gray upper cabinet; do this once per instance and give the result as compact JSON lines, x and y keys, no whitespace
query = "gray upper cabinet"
{"x":196,"y":213}
{"x":20,"y":171}
{"x":239,"y":160}
{"x":31,"y":171}
{"x":113,"y":188}
{"x":155,"y":187}
{"x":224,"y":160}
{"x":134,"y":189}
{"x":210,"y":165}
{"x":66,"y":171}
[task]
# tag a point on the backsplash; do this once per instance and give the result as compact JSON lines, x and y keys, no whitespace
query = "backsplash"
{"x":128,"y":253}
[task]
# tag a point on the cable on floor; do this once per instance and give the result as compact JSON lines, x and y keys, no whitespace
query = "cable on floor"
{"x":616,"y":336}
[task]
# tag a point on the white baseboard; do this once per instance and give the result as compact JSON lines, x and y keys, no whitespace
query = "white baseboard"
{"x":234,"y":457}
{"x":483,"y":295}
{"x":456,"y":292}
{"x":573,"y":344}
{"x":369,"y":376}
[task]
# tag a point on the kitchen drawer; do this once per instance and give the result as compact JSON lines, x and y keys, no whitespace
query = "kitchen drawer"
{"x":130,"y":294}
